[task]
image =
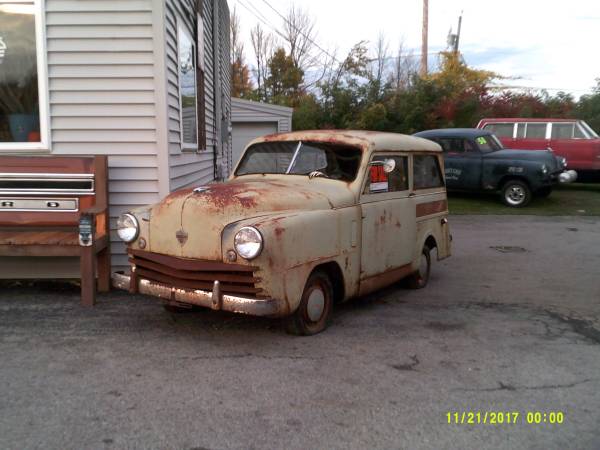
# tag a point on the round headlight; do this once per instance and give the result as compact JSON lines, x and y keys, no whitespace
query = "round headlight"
{"x":248,"y":242}
{"x":128,"y":227}
{"x":544,"y":169}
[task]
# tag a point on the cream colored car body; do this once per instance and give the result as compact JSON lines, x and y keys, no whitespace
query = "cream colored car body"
{"x":363,"y":241}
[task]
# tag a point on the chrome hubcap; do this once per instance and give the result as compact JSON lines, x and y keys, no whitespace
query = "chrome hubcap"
{"x":515,"y":195}
{"x":315,"y":305}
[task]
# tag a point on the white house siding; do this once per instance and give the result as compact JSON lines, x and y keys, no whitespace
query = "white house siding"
{"x":101,"y":69}
{"x":112,"y":81}
{"x":190,"y":167}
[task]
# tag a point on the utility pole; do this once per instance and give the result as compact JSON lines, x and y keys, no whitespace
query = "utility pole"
{"x":424,"y":46}
{"x":458,"y":34}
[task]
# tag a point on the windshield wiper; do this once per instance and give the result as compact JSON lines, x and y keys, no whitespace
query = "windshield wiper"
{"x":289,"y":169}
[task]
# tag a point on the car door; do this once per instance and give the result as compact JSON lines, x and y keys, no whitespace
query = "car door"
{"x":388,"y":218}
{"x":532,"y":136}
{"x":463,"y":163}
{"x":568,"y":140}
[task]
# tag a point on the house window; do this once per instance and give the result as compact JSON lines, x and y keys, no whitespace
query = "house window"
{"x":23,"y":102}
{"x":200,"y":83}
{"x":188,"y":102}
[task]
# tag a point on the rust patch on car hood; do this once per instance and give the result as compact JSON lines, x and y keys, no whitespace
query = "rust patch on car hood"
{"x":202,"y":213}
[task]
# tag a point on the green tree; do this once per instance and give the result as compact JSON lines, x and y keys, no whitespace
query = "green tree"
{"x":307,"y":114}
{"x":588,"y":108}
{"x":285,"y":79}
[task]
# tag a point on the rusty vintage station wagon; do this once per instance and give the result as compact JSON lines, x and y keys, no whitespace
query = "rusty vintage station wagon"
{"x":307,"y":219}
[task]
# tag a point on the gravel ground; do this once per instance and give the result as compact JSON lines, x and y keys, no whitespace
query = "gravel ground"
{"x":513,"y":328}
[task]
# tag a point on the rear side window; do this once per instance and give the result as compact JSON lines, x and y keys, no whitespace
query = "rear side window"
{"x":520,"y":130}
{"x":426,"y":172}
{"x":504,"y":130}
{"x":536,"y":131}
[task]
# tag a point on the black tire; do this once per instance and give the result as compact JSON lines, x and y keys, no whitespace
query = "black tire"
{"x":300,"y":322}
{"x":516,"y":194}
{"x":420,"y":278}
{"x":544,"y":192}
{"x":174,"y":309}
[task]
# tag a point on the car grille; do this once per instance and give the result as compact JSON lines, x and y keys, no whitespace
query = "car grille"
{"x":235,"y":279}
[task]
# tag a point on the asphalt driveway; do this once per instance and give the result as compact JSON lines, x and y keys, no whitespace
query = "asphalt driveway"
{"x":510,"y":323}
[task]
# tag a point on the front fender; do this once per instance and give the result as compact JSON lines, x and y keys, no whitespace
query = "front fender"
{"x":294,"y":244}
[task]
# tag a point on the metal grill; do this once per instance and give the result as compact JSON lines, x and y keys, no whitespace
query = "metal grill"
{"x":235,"y":279}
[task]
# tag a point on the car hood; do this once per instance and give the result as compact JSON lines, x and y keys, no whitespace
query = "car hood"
{"x":189,"y":222}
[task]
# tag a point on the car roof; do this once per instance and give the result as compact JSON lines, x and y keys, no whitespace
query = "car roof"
{"x":374,"y":140}
{"x":453,"y":132}
{"x":529,"y":119}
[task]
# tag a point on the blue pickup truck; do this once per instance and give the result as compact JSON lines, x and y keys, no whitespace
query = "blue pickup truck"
{"x":476,"y":161}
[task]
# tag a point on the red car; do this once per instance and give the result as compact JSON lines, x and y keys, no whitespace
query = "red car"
{"x":573,"y":139}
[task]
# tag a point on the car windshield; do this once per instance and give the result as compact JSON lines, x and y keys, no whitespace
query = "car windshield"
{"x":321,"y":159}
{"x":588,"y":129}
{"x":489,"y":143}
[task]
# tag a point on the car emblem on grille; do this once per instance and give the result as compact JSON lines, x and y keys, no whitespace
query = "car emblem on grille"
{"x":181,"y":236}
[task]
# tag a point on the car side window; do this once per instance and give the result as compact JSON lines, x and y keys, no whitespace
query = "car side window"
{"x":535,"y":131}
{"x":501,"y":129}
{"x":578,"y":134}
{"x":470,"y":147}
{"x":520,"y":130}
{"x":562,"y":130}
{"x":456,"y":145}
{"x":444,"y":143}
{"x":426,"y":172}
{"x":396,"y":181}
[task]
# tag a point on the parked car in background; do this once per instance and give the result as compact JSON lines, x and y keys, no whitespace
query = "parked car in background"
{"x":572,"y":139}
{"x":306,"y":220}
{"x":476,"y":161}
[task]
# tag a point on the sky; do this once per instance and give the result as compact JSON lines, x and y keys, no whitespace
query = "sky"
{"x":545,"y":43}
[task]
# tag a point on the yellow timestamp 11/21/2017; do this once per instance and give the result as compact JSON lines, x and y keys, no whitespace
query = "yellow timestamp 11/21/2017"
{"x":504,"y":417}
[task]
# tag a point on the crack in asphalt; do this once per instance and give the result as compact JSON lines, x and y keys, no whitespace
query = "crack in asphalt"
{"x":582,"y":327}
{"x":408,"y":366}
{"x":579,"y":326}
{"x":508,"y":387}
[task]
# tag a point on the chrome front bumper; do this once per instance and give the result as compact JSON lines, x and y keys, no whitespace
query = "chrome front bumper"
{"x":568,"y":176}
{"x":215,"y":300}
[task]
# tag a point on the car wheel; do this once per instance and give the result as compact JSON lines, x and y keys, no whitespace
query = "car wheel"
{"x":544,"y":192}
{"x":314,"y":311}
{"x":516,"y":194}
{"x":420,"y":278}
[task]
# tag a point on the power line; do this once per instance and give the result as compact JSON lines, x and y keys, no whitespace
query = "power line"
{"x":262,"y":19}
{"x":308,"y":38}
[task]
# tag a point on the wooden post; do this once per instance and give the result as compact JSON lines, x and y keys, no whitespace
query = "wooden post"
{"x":88,"y":275}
